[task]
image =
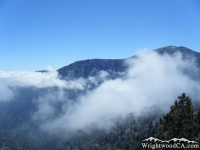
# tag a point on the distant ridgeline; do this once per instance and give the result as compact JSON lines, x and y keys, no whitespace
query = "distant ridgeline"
{"x":19,"y":131}
{"x":91,"y":67}
{"x":41,"y":71}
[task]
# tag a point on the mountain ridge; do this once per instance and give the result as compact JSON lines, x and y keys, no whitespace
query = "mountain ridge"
{"x":18,"y":128}
{"x":91,"y":67}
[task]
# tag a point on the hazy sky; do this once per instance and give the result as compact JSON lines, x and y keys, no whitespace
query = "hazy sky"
{"x":36,"y":34}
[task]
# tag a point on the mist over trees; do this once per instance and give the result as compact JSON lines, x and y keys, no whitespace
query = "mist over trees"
{"x":106,"y":109}
{"x":181,"y":121}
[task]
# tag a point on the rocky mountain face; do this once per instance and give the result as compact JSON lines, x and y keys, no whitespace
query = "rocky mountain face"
{"x":91,"y":67}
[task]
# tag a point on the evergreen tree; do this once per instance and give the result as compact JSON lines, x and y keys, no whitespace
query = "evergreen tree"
{"x":181,"y":121}
{"x":197,"y":124}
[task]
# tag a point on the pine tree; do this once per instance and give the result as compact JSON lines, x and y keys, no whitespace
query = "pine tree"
{"x":181,"y":120}
{"x":197,"y":125}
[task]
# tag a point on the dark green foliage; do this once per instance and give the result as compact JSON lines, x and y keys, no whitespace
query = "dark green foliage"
{"x":182,"y":120}
{"x":127,"y":134}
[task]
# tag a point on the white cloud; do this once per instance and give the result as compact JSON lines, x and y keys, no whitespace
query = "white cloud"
{"x":103,"y":74}
{"x":5,"y":93}
{"x":47,"y":104}
{"x":36,"y":79}
{"x":49,"y":68}
{"x":151,"y":80}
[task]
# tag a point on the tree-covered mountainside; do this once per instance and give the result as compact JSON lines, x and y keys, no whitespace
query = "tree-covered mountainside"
{"x":25,"y":117}
{"x":126,"y":135}
{"x":91,"y":67}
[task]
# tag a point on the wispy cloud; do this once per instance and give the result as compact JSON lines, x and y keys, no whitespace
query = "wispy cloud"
{"x":36,"y":79}
{"x":151,"y":79}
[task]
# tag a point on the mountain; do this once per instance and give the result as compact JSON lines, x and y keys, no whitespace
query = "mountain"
{"x":18,"y":129}
{"x":41,"y":71}
{"x":91,"y":67}
{"x":186,"y":52}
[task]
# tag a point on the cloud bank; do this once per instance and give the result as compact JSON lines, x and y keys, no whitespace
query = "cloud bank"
{"x":35,"y":79}
{"x":151,"y":79}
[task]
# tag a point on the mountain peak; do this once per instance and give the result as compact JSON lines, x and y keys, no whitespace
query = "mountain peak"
{"x":91,"y":67}
{"x":173,"y":49}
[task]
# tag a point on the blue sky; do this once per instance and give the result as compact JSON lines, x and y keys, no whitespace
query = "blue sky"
{"x":36,"y":34}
